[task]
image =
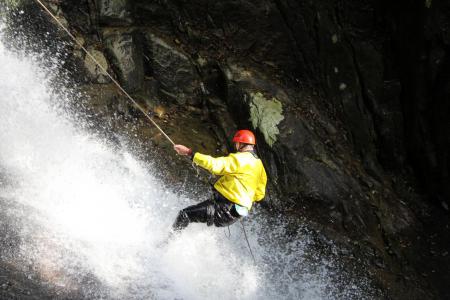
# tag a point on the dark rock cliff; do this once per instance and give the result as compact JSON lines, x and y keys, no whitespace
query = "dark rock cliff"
{"x":349,"y":100}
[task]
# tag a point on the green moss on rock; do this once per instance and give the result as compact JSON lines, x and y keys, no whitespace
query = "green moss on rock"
{"x":266,"y":114}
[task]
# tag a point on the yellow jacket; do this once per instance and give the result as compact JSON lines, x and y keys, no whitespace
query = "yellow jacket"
{"x":243,"y":178}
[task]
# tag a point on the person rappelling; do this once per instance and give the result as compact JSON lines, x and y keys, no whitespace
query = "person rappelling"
{"x":243,"y":178}
{"x":242,"y":181}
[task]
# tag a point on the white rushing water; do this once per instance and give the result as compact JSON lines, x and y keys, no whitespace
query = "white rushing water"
{"x":90,"y":217}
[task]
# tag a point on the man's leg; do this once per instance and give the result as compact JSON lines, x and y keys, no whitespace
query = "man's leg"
{"x":199,"y":213}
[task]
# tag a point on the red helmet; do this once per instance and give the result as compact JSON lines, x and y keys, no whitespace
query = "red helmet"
{"x":244,"y":136}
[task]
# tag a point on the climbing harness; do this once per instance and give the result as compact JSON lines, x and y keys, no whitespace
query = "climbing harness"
{"x":105,"y":71}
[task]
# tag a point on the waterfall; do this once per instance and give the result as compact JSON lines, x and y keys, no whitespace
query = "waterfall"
{"x":89,"y":218}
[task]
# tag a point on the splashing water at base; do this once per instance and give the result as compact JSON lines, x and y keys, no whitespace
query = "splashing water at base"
{"x":91,"y":218}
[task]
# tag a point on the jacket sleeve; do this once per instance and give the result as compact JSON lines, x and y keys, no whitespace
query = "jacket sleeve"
{"x":216,"y":166}
{"x":261,"y":188}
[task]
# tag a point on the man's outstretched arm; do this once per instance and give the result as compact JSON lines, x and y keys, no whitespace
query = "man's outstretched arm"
{"x":215,"y":165}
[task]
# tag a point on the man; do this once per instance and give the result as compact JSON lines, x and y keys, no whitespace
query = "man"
{"x":242,"y":182}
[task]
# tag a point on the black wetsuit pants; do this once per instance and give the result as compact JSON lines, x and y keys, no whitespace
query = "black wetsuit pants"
{"x":217,"y":211}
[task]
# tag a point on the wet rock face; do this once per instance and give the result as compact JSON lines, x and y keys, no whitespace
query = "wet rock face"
{"x":126,"y":54}
{"x":420,"y":47}
{"x":173,"y":70}
{"x":96,"y":73}
{"x":114,"y":12}
{"x":340,"y":94}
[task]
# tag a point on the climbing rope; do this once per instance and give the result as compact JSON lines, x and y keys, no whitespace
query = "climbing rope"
{"x":105,"y":71}
{"x":248,"y":243}
{"x":228,"y":236}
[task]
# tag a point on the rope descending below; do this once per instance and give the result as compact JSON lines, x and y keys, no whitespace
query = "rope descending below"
{"x":248,"y":243}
